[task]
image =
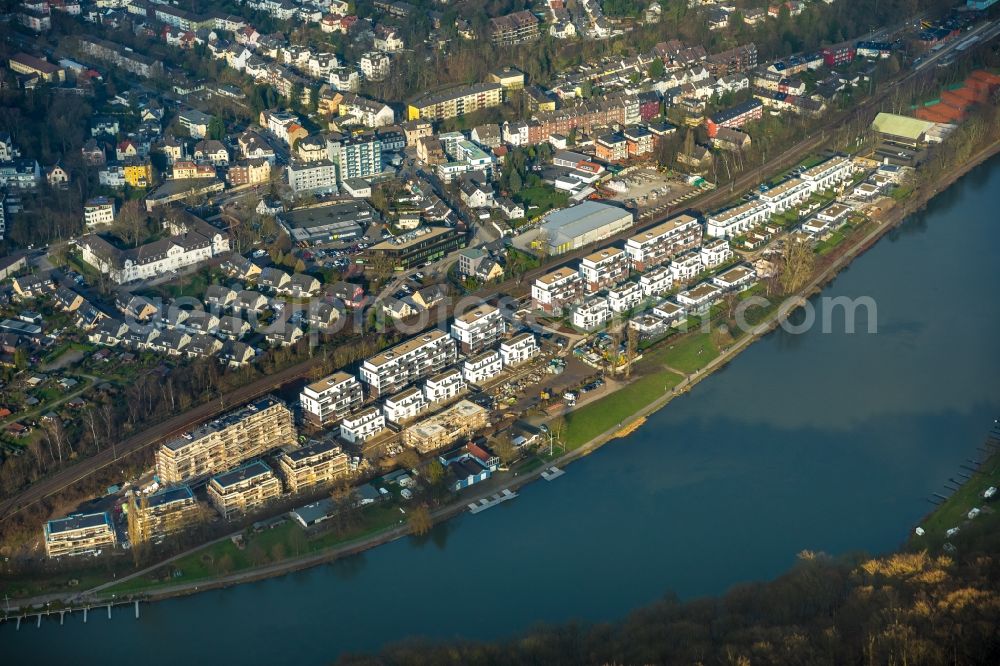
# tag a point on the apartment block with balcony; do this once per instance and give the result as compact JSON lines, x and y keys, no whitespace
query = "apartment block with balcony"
{"x":829,"y":174}
{"x":364,"y":425}
{"x":161,"y":514}
{"x":455,"y":101}
{"x":655,"y":246}
{"x":556,"y":290}
{"x":592,"y":313}
{"x":737,"y":220}
{"x":656,"y":281}
{"x":478,"y":329}
{"x":604,"y":268}
{"x":409,"y":361}
{"x":787,"y":195}
{"x":312,"y":466}
{"x":243,"y":490}
{"x":405,"y":405}
{"x":444,"y":386}
{"x":330,"y":399}
{"x":516,"y":28}
{"x":80,"y":534}
{"x":483,"y":368}
{"x":624,"y":297}
{"x":519,"y":349}
{"x":225,"y":442}
{"x":686,"y":267}
{"x":715,"y":253}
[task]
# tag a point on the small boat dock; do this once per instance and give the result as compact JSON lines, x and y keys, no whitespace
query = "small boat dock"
{"x":490,"y":502}
{"x":552,"y":473}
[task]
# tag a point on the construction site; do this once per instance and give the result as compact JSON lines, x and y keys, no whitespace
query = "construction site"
{"x":443,"y":429}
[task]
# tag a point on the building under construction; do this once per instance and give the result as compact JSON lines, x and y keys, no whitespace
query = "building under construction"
{"x":445,"y":428}
{"x":312,"y":466}
{"x":244,"y":489}
{"x":226,"y":442}
{"x":163,"y":513}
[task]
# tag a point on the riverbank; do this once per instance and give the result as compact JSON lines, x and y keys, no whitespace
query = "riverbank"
{"x":587,"y":447}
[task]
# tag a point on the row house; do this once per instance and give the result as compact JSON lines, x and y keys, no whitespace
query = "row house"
{"x":592,"y":313}
{"x":362,"y":426}
{"x":656,"y":281}
{"x":405,"y":405}
{"x":409,"y":361}
{"x":787,"y":195}
{"x":244,"y":489}
{"x":715,"y":253}
{"x":444,"y":386}
{"x":624,"y":297}
{"x":518,"y":349}
{"x":480,"y":369}
{"x":829,"y":174}
{"x":330,"y":399}
{"x":312,"y":466}
{"x":556,"y":290}
{"x":738,"y":220}
{"x":655,"y":246}
{"x":604,"y":268}
{"x":478,"y":328}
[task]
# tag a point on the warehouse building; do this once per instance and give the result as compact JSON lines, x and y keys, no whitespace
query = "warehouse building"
{"x":901,"y":129}
{"x":325,"y":223}
{"x":588,"y":222}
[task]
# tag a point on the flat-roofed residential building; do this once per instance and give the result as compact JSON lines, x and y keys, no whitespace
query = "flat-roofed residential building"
{"x":319,"y":176}
{"x":455,"y":101}
{"x":477,"y":329}
{"x":79,"y":534}
{"x":516,"y":28}
{"x":656,"y":281}
{"x":669,"y":311}
{"x":330,"y":399}
{"x":99,"y":211}
{"x":556,"y":290}
{"x":737,"y":278}
{"x":165,"y":512}
{"x":244,"y":489}
{"x":405,"y":405}
{"x":460,"y":420}
{"x":314,"y":465}
{"x":786,"y":195}
{"x":686,"y":267}
{"x":592,"y":313}
{"x":624,"y":297}
{"x":604,"y":268}
{"x":715,"y":253}
{"x":482,"y":368}
{"x":518,"y":349}
{"x":699,"y":298}
{"x":444,"y":386}
{"x":425,"y":244}
{"x":227,"y":441}
{"x":416,"y":358}
{"x":362,"y":426}
{"x":834,"y":171}
{"x":655,"y":246}
{"x":737,"y":220}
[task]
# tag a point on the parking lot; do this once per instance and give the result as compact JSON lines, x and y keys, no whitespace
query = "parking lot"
{"x":648,"y":188}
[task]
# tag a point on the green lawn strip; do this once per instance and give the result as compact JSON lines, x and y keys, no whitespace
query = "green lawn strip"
{"x":269,"y":546}
{"x":546,"y":198}
{"x":689,"y":354}
{"x":954,"y":512}
{"x":591,"y":420}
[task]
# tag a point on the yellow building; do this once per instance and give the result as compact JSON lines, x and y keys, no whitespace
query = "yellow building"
{"x":139,"y":174}
{"x":508,"y":77}
{"x":79,"y":534}
{"x":312,"y":466}
{"x":455,"y":101}
{"x":166,"y":512}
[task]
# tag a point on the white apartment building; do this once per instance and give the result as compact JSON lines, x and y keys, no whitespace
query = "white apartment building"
{"x":405,"y":405}
{"x":654,"y":246}
{"x":478,"y":328}
{"x":592,"y":313}
{"x":408,"y":361}
{"x":604,"y":268}
{"x":656,"y":281}
{"x":738,"y":220}
{"x":737,"y":278}
{"x":99,"y":211}
{"x":789,"y":194}
{"x":374,"y":65}
{"x":669,"y":311}
{"x":699,"y":298}
{"x":624,"y":297}
{"x":685,"y":267}
{"x":444,"y":386}
{"x":829,"y":174}
{"x":554,"y":291}
{"x":331,"y":398}
{"x":715,"y":253}
{"x":518,"y":349}
{"x":362,"y":426}
{"x":483,"y":368}
{"x":319,"y":176}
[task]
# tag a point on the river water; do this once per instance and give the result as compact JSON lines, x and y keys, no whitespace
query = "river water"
{"x":827,"y":442}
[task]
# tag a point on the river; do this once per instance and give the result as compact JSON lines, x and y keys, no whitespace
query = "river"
{"x":827,"y":442}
